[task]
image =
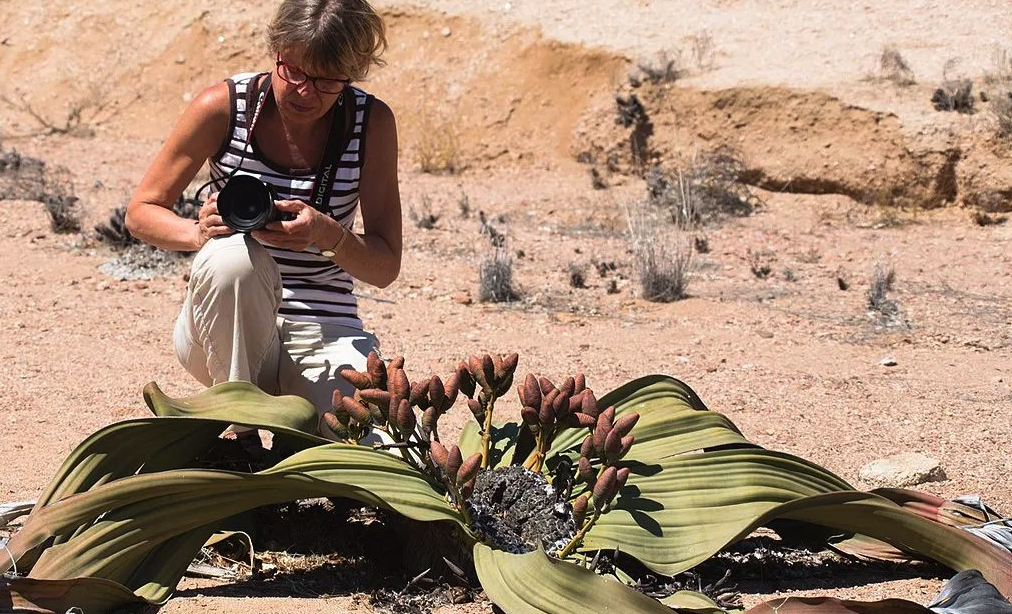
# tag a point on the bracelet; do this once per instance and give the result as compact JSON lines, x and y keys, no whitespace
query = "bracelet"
{"x":329,"y":253}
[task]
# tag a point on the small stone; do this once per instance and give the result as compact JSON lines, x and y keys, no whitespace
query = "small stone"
{"x":445,"y":31}
{"x":888,"y":361}
{"x":462,"y":298}
{"x":902,"y":470}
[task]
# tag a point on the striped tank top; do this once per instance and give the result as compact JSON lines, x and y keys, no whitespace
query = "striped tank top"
{"x":314,"y":289}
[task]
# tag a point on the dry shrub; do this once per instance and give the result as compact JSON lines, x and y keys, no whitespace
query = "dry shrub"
{"x":495,"y":278}
{"x":882,"y":279}
{"x":114,"y":232}
{"x":703,"y":50}
{"x":1002,"y":73}
{"x":1001,"y":111}
{"x":662,"y":67}
{"x":464,"y":205}
{"x":956,"y":95}
{"x":663,"y":259}
{"x":893,"y":67}
{"x":577,"y":275}
{"x":983,"y":218}
{"x":426,"y":219}
{"x":760,"y":261}
{"x":708,"y":189}
{"x":437,"y":150}
{"x":80,"y":118}
{"x":26,"y":178}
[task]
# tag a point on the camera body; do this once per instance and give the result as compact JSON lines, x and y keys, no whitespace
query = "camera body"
{"x":247,"y":204}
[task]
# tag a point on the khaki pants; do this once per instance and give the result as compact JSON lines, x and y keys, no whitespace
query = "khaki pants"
{"x":229,"y":328}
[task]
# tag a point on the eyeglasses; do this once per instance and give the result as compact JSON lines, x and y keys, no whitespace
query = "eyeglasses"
{"x":295,"y":76}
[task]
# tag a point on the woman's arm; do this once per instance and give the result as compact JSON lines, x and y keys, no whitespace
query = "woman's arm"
{"x":196,"y":136}
{"x":375,"y":255}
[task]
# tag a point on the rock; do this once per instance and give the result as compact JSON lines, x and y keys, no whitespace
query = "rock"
{"x":462,"y":298}
{"x":902,"y":470}
{"x":888,"y":361}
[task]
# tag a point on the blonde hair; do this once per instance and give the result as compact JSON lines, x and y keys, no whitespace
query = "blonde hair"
{"x":339,"y":36}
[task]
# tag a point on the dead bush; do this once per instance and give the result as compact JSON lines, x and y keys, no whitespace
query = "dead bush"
{"x":703,"y":50}
{"x":630,"y":111}
{"x":82,"y":115}
{"x":706,"y":190}
{"x":424,"y":219}
{"x":577,"y":275}
{"x":27,"y":178}
{"x":983,"y":218}
{"x":495,"y":278}
{"x":1001,"y":112}
{"x":663,"y":260}
{"x":760,"y":262}
{"x":954,"y":96}
{"x":437,"y":150}
{"x":464,"y":205}
{"x":662,"y":67}
{"x":1002,"y":72}
{"x":490,"y":228}
{"x":114,"y":232}
{"x":893,"y":67}
{"x":882,"y":279}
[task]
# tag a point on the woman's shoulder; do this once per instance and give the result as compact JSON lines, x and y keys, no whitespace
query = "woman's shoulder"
{"x":214,"y":100}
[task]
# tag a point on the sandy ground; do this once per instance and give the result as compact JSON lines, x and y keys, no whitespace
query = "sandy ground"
{"x":794,"y":360}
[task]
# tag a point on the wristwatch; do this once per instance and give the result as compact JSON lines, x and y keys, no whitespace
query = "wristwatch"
{"x":329,"y":252}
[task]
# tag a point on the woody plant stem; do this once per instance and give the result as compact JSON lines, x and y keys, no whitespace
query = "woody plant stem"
{"x":486,"y":434}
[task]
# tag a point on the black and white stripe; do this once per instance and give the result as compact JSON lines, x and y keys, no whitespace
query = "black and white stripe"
{"x":314,"y":288}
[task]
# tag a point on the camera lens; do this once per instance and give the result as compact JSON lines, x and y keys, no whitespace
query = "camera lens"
{"x":246,"y":203}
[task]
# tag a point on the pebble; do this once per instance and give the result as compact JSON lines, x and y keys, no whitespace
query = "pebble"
{"x":888,"y":361}
{"x":445,"y":31}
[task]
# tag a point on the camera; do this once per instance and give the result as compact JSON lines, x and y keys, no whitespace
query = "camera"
{"x":247,"y":204}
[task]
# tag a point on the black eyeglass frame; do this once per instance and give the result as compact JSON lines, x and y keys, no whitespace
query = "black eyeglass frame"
{"x":279,"y":63}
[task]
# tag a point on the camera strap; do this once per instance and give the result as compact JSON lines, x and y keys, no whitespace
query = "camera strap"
{"x":337,"y":141}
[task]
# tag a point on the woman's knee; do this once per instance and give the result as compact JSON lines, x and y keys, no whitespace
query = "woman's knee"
{"x":235,"y":259}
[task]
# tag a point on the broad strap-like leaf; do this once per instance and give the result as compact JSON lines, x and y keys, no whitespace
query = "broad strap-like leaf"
{"x":533,"y":583}
{"x":694,"y":603}
{"x":149,"y":444}
{"x":91,"y":595}
{"x":697,"y":486}
{"x":672,"y":421}
{"x":141,"y":531}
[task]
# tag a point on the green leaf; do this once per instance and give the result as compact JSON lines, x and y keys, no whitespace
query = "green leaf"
{"x":533,"y":583}
{"x":149,"y":445}
{"x":239,"y":403}
{"x":504,"y":440}
{"x":91,"y":595}
{"x":141,"y":531}
{"x":672,"y":421}
{"x":697,"y":485}
{"x":691,"y":601}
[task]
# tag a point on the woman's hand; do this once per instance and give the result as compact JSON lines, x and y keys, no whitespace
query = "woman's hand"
{"x":306,"y":228}
{"x":209,"y":223}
